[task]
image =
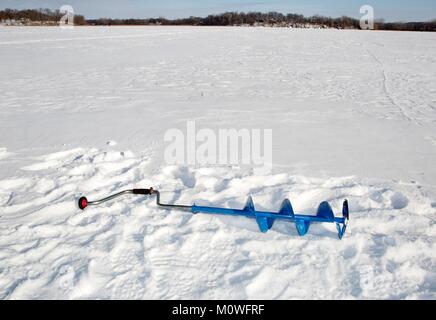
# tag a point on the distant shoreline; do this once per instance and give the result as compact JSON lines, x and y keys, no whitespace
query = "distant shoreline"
{"x":190,"y":26}
{"x":47,"y":17}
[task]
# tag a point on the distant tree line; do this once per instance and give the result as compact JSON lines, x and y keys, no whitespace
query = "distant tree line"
{"x":37,"y":15}
{"x":410,"y":26}
{"x":225,"y":19}
{"x":238,"y":19}
{"x":270,"y":19}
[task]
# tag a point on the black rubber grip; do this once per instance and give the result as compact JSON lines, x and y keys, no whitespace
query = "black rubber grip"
{"x":142,"y":191}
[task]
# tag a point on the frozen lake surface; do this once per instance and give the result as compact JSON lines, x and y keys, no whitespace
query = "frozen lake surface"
{"x":84,"y":111}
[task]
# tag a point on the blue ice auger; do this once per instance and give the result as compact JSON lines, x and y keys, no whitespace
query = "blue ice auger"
{"x":264,"y":219}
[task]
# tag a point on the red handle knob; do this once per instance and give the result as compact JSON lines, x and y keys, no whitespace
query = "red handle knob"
{"x":83,"y":203}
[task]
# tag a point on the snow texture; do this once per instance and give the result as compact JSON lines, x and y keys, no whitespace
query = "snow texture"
{"x":83,"y":112}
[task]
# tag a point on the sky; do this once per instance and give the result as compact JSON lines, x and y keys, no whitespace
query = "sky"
{"x":390,"y":10}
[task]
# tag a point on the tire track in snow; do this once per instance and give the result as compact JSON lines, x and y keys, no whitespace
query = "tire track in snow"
{"x":387,"y":93}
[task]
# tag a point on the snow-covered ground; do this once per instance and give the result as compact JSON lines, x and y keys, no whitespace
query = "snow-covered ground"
{"x":84,"y":111}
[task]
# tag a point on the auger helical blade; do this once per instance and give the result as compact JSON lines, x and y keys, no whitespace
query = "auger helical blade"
{"x":345,"y":211}
{"x":249,"y":206}
{"x":286,"y":208}
{"x":302,"y":226}
{"x":325,"y":211}
{"x":264,"y":223}
{"x":341,"y":227}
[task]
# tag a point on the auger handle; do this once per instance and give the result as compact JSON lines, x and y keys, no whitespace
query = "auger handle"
{"x":83,"y":201}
